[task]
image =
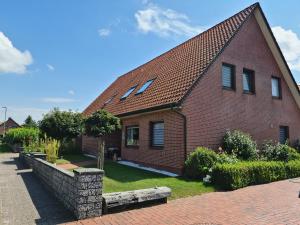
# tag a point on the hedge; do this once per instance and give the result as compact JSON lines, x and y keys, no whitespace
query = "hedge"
{"x":242,"y":174}
{"x":21,"y":135}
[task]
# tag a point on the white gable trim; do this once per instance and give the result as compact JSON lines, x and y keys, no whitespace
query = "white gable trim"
{"x":277,"y":54}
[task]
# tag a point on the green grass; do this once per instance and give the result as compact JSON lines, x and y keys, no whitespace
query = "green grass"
{"x":123,"y":178}
{"x":4,"y":148}
{"x":71,"y":158}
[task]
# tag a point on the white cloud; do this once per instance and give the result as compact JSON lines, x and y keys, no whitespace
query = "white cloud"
{"x":165,"y":22}
{"x":289,"y":43}
{"x":71,"y":92}
{"x":104,"y":32}
{"x":50,"y":67}
{"x":12,"y":60}
{"x":57,"y":100}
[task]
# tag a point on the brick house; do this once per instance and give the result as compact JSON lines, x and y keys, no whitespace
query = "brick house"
{"x":232,"y":76}
{"x":10,"y":123}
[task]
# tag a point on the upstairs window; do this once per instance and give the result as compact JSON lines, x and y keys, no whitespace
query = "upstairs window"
{"x":248,"y":81}
{"x":283,"y":134}
{"x":128,"y":93}
{"x":228,"y":76}
{"x":145,"y":86}
{"x":132,"y":136}
{"x":276,"y":87}
{"x":157,"y":134}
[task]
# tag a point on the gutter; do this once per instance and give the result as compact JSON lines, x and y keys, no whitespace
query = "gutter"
{"x":175,"y":109}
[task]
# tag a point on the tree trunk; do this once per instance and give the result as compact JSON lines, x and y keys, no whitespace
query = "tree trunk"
{"x":101,"y":146}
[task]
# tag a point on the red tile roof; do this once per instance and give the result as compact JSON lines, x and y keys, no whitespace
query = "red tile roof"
{"x":174,"y":71}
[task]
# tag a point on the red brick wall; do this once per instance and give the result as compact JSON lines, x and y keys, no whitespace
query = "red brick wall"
{"x":90,"y":144}
{"x":211,"y":111}
{"x":171,"y":157}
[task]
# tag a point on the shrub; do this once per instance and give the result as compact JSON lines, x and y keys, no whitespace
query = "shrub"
{"x":240,"y":144}
{"x":21,"y":135}
{"x":69,"y":147}
{"x":51,"y":150}
{"x":242,"y":174}
{"x":225,"y":158}
{"x":278,"y":152}
{"x":200,"y":162}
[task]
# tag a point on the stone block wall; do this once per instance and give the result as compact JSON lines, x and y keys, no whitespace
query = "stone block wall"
{"x":80,"y":191}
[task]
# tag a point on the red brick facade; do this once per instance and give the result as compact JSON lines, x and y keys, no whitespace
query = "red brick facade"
{"x":171,"y":157}
{"x":211,"y":111}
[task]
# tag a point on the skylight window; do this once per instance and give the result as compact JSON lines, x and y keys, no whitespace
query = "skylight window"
{"x":128,"y":93}
{"x":144,"y":87}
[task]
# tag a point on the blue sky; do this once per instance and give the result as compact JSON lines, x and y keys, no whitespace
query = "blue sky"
{"x":65,"y":53}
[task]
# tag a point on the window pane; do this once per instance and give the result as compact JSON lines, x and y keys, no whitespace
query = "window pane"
{"x":145,"y":86}
{"x":158,"y":134}
{"x":246,"y":82}
{"x":227,"y":76}
{"x":128,"y":93}
{"x":275,"y":87}
{"x":132,"y":136}
{"x":283,"y":134}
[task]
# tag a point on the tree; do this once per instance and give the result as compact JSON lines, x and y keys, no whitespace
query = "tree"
{"x":61,"y":125}
{"x":29,"y":122}
{"x":99,"y":124}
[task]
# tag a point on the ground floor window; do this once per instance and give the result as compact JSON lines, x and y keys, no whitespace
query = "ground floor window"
{"x":283,"y":134}
{"x":132,"y":136}
{"x":157,"y":134}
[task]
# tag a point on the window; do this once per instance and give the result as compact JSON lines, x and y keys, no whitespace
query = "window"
{"x":283,"y":134}
{"x":276,"y":87}
{"x":248,"y":81}
{"x":132,"y":136}
{"x":157,"y":134}
{"x":128,"y":93}
{"x":228,"y":76}
{"x":145,"y":86}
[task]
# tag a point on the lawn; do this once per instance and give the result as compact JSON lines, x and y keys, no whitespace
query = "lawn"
{"x":123,"y":178}
{"x":4,"y":148}
{"x":72,"y":158}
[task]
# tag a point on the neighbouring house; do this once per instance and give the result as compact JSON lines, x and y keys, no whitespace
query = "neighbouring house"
{"x":232,"y":76}
{"x":5,"y":126}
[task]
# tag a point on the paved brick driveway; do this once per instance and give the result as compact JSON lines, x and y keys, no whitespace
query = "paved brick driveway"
{"x":275,"y":203}
{"x":23,"y":200}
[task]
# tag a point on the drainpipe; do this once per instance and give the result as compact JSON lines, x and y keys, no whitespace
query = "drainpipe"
{"x":175,"y":109}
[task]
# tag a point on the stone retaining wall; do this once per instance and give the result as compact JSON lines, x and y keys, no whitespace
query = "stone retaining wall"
{"x":80,"y":191}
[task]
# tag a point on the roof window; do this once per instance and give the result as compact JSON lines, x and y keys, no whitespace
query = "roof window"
{"x":145,"y":86}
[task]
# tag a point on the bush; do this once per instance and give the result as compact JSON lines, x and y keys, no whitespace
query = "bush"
{"x":225,"y":158}
{"x":51,"y":149}
{"x":278,"y":152}
{"x":69,"y":147}
{"x":241,"y":144}
{"x":21,"y":135}
{"x":200,"y":162}
{"x":242,"y":174}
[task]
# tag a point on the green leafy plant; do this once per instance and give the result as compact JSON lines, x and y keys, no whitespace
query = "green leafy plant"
{"x":29,"y":122}
{"x":200,"y":162}
{"x":22,"y":136}
{"x":242,"y":174}
{"x":99,"y":124}
{"x":278,"y":152}
{"x":61,"y":125}
{"x":51,"y":149}
{"x":240,"y":144}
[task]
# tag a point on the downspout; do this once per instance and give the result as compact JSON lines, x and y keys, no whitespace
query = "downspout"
{"x":175,"y":109}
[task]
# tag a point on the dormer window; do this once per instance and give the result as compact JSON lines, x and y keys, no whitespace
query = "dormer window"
{"x":145,"y":86}
{"x":128,"y":93}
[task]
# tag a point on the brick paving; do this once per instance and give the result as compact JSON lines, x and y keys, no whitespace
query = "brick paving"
{"x":23,"y":199}
{"x":275,"y":203}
